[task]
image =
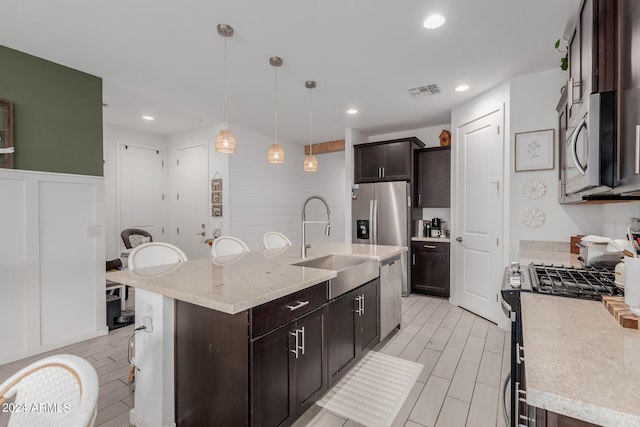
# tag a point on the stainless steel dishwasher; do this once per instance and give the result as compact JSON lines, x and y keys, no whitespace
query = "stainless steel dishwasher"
{"x":391,"y":278}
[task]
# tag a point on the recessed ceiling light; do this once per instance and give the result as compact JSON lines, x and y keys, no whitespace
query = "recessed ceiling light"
{"x":150,"y":118}
{"x":352,"y":111}
{"x":461,"y":88}
{"x":433,"y":21}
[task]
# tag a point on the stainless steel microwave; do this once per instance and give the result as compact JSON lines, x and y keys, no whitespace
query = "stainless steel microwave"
{"x":589,"y":147}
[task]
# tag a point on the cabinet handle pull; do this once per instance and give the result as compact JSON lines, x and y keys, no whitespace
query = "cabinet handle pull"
{"x":383,"y":172}
{"x":362,"y":299}
{"x":428,"y":246}
{"x":359,"y":309}
{"x":300,"y":304}
{"x":302,"y":339}
{"x":419,"y":199}
{"x":519,"y":358}
{"x":296,"y":345}
{"x":413,"y":258}
{"x":637,"y":165}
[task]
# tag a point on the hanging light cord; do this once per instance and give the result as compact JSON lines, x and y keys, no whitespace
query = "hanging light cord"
{"x":226,"y":120}
{"x":310,"y":145}
{"x":276,"y":107}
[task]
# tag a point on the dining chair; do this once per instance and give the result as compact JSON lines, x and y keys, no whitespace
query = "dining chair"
{"x":155,"y":253}
{"x":273,"y":239}
{"x":66,"y":384}
{"x":228,"y":245}
{"x":132,"y":237}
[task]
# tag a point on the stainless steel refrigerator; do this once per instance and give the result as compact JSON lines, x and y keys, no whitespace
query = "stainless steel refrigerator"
{"x":381,"y":215}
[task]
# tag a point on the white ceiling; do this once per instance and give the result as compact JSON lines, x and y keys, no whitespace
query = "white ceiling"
{"x":165,"y":58}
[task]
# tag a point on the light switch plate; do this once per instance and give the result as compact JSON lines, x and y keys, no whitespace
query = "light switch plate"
{"x":94,"y":231}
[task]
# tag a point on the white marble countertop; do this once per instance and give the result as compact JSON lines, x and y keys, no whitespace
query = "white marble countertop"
{"x":235,"y":283}
{"x":579,"y":361}
{"x":548,"y":257}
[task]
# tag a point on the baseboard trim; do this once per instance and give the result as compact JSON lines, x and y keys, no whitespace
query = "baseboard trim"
{"x":139,"y":421}
{"x":52,"y":346}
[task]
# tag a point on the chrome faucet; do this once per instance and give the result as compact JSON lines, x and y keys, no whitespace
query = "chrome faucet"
{"x":327,"y":223}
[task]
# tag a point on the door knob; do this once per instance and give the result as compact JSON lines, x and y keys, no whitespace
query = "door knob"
{"x":200,"y":234}
{"x":458,"y":239}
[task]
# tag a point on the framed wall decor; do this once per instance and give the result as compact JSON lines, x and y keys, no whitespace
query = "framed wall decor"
{"x":534,"y":150}
{"x":216,"y":195}
{"x":6,"y":134}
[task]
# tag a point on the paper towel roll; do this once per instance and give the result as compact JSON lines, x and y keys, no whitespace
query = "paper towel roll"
{"x":632,"y":281}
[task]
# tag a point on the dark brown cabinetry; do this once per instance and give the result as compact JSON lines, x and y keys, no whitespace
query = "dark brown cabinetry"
{"x":288,"y":372}
{"x":261,"y":367}
{"x":629,"y":95}
{"x":430,"y":268}
{"x":385,"y":161}
{"x":352,"y":327}
{"x":433,"y":177}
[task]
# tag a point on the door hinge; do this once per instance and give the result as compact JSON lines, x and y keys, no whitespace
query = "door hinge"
{"x":163,"y":197}
{"x":177,"y":196}
{"x":177,"y":230}
{"x":177,"y":162}
{"x":496,"y":297}
{"x":162,"y":163}
{"x":498,"y":129}
{"x":497,"y":241}
{"x":162,"y":230}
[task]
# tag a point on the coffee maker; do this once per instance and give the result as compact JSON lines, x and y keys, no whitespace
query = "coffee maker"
{"x":436,"y":227}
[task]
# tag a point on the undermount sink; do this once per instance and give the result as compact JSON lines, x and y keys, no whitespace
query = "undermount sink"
{"x":352,"y":271}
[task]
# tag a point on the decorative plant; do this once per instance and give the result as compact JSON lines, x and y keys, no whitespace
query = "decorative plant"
{"x":564,"y":61}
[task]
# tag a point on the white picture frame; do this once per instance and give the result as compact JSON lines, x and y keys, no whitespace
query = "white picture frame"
{"x":534,"y":150}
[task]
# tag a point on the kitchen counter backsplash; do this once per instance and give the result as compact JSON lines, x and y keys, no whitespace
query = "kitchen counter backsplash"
{"x":547,"y":252}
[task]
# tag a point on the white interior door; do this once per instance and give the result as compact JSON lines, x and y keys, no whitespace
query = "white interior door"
{"x":477,"y":251}
{"x":192,"y":201}
{"x":141,"y":191}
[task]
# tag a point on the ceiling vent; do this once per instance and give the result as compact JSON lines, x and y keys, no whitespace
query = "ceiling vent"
{"x":425,"y":90}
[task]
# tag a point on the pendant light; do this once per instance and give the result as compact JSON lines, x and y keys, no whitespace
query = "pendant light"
{"x":225,"y":141}
{"x":276,"y":152}
{"x":310,"y":162}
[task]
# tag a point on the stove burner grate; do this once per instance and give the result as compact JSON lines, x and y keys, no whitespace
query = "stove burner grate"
{"x":585,"y":283}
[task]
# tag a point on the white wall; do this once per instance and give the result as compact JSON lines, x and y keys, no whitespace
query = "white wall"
{"x":113,"y":137}
{"x":533,"y":101}
{"x":269,"y":197}
{"x":51,"y":261}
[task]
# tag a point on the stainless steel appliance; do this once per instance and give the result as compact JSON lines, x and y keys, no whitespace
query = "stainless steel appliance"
{"x":381,"y":215}
{"x":588,"y":157}
{"x":586,"y":283}
{"x":596,"y":255}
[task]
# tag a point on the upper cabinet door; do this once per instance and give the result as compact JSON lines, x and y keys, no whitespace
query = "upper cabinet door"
{"x":433,"y":178}
{"x":368,"y":163}
{"x":397,"y":161}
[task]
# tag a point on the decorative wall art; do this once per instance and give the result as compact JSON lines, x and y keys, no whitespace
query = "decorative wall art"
{"x":532,"y":217}
{"x":6,"y":134}
{"x":216,"y":195}
{"x":534,"y":189}
{"x":534,"y":150}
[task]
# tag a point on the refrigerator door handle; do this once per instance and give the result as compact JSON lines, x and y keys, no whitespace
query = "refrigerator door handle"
{"x":374,"y":222}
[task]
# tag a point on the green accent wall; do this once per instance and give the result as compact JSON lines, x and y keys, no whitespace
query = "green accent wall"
{"x":57,"y":114}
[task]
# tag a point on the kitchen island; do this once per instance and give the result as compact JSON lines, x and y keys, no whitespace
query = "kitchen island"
{"x":228,"y":346}
{"x":579,"y":362}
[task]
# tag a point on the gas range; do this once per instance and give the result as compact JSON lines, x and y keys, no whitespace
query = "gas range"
{"x":574,"y":282}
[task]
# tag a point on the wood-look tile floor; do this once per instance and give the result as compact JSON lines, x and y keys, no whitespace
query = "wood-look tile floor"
{"x":465,"y":358}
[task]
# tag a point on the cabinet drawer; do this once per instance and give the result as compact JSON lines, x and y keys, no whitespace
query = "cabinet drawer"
{"x":269,"y":316}
{"x":430,"y":246}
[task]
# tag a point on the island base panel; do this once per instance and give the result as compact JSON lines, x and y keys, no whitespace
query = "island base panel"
{"x":211,"y":359}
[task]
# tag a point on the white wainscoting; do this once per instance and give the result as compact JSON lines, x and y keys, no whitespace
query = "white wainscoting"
{"x":53,"y":272}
